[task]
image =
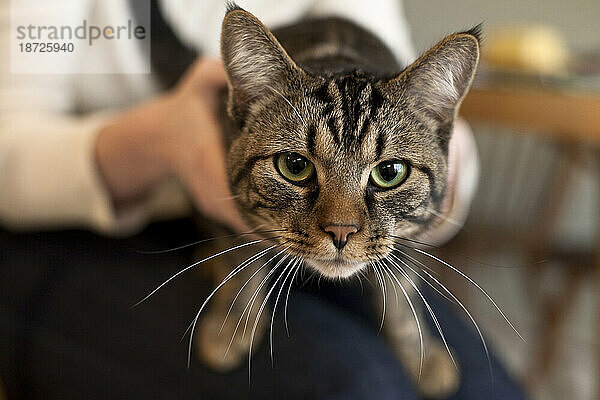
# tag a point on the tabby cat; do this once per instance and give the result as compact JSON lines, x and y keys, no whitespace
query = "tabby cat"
{"x":337,"y":152}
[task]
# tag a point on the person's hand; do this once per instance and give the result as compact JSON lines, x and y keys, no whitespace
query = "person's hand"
{"x":176,"y":134}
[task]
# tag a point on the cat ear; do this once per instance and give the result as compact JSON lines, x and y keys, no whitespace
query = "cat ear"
{"x":438,"y":81}
{"x":254,"y":60}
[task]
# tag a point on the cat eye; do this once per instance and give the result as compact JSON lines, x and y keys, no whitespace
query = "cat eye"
{"x":294,"y":167}
{"x":389,"y":174}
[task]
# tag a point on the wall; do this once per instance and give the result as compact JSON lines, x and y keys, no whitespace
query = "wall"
{"x":512,"y":204}
{"x":578,"y":20}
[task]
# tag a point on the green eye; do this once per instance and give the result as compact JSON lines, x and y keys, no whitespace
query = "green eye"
{"x":294,"y":167}
{"x":389,"y":174}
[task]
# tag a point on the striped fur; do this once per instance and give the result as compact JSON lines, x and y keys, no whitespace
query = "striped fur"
{"x":345,"y":114}
{"x":332,"y":92}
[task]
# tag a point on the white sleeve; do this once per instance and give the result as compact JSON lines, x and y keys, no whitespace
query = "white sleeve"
{"x":384,"y":18}
{"x":48,"y":176}
{"x":463,"y":179}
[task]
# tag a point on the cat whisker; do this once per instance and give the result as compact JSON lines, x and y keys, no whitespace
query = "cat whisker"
{"x":232,"y":197}
{"x":248,"y":308}
{"x":281,"y":287}
{"x":380,"y":282}
{"x":422,"y":266}
{"x":426,"y":303}
{"x":465,"y":310}
{"x":465,"y":276}
{"x":421,"y":341}
{"x":444,"y":217}
{"x":257,"y":291}
{"x":287,"y":296}
{"x":393,"y":286}
{"x":247,"y":262}
{"x":417,"y":321}
{"x":256,"y":233}
{"x":246,"y":283}
{"x":415,"y":241}
{"x":289,"y":103}
{"x":384,"y":289}
{"x":258,"y":315}
{"x":233,"y":235}
{"x":235,"y":271}
{"x":358,"y":277}
{"x":200,"y":262}
{"x":382,"y":273}
{"x":363,"y":275}
{"x":485,"y":264}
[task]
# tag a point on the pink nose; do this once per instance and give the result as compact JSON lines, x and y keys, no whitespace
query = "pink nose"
{"x":340,"y":233}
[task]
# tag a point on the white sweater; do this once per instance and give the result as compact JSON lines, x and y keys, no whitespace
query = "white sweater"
{"x":49,"y":123}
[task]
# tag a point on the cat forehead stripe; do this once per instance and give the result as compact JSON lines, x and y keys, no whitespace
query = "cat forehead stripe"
{"x":351,"y":105}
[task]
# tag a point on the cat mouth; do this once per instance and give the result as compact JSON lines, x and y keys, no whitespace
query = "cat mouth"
{"x":336,"y":267}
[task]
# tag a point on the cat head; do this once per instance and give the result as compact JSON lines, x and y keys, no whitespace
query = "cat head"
{"x":341,"y":163}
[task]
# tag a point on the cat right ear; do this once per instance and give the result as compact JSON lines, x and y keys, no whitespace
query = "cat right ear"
{"x":254,"y":60}
{"x":438,"y":81}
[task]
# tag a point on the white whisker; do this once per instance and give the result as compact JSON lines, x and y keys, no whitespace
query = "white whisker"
{"x":381,"y":272}
{"x":426,"y":303}
{"x":380,"y":281}
{"x":257,"y":292}
{"x":466,"y":311}
{"x":212,"y":239}
{"x":236,"y":270}
{"x":250,"y":304}
{"x":289,"y":273}
{"x":197,"y":263}
{"x":290,"y":104}
{"x":422,"y":266}
{"x":257,"y":319}
{"x":247,"y":282}
{"x":444,"y":217}
{"x":417,"y":321}
{"x":287,"y":296}
{"x":465,"y":276}
{"x":361,"y":273}
{"x":393,"y":286}
{"x":247,"y":262}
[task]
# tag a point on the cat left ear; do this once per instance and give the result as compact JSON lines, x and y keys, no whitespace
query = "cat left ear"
{"x":439,"y":80}
{"x":254,"y":60}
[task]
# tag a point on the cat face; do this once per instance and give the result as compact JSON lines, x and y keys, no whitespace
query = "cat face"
{"x":341,"y":163}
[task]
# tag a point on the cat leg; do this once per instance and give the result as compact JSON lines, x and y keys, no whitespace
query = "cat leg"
{"x":225,"y":330}
{"x":438,"y":376}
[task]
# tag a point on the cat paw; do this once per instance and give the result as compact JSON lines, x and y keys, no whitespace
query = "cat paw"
{"x":217,"y":350}
{"x":439,"y":376}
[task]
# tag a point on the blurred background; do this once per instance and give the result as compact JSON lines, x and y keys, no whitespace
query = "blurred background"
{"x":532,"y":236}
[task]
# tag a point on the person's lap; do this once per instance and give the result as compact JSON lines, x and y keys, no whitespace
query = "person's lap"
{"x":65,"y":313}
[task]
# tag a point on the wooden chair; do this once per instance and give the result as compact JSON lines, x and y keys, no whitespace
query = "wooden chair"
{"x":568,"y":121}
{"x":522,"y":198}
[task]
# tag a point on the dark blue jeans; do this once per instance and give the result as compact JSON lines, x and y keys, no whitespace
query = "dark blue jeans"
{"x":67,"y":330}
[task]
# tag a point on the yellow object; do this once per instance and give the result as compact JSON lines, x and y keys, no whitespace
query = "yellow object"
{"x":537,"y":49}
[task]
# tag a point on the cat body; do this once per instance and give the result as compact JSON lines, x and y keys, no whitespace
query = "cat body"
{"x":336,"y":152}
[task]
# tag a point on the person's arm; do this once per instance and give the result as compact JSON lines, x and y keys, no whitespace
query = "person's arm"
{"x":463,"y":179}
{"x":174,"y":135}
{"x":48,"y":177}
{"x":96,"y":171}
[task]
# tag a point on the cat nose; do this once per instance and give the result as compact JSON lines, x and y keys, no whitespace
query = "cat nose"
{"x":340,"y":233}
